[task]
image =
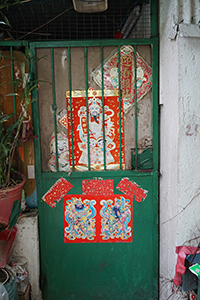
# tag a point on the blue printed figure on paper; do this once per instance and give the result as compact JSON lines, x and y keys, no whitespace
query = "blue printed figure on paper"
{"x":115,"y":219}
{"x":80,"y":217}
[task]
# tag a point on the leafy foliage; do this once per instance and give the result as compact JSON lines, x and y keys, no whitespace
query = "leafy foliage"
{"x":10,"y":135}
{"x":5,"y":4}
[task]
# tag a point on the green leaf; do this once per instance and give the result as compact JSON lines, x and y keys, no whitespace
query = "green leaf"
{"x":27,"y":52}
{"x":5,"y":149}
{"x":17,"y":83}
{"x":5,"y":118}
{"x":6,"y":21}
{"x":38,"y":59}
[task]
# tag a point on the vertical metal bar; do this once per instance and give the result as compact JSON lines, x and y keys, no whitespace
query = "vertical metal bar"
{"x":87,"y":106}
{"x":14,"y":99}
{"x":136,"y":120}
{"x":155,"y":105}
{"x":103,"y":110}
{"x":154,"y":18}
{"x":71,"y":105}
{"x":155,"y":127}
{"x":54,"y":107}
{"x":120,"y":108}
{"x":36,"y":125}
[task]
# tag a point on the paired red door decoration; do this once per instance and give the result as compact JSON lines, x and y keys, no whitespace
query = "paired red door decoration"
{"x":93,"y":219}
{"x":98,"y":215}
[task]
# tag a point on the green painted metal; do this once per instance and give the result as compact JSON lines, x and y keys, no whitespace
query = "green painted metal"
{"x":93,"y":43}
{"x":144,"y":160}
{"x":154,"y":17}
{"x":13,"y":43}
{"x":71,"y":115}
{"x":112,"y":271}
{"x":120,"y":114}
{"x":107,"y":174}
{"x":103,"y":110}
{"x":54,"y":106}
{"x":35,"y":117}
{"x":87,"y":106}
{"x":155,"y":64}
{"x":136,"y":119}
{"x":120,"y":271}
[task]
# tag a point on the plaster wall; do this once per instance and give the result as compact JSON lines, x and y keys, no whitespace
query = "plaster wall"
{"x":179,"y":139}
{"x":26,"y":244}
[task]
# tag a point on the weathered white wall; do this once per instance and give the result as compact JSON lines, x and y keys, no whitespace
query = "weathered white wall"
{"x":180,"y":139}
{"x":26,"y":244}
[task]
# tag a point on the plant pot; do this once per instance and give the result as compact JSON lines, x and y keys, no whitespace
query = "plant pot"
{"x":7,"y":197}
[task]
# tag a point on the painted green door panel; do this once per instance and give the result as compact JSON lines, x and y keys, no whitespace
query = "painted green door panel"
{"x":101,"y":270}
{"x":112,"y":271}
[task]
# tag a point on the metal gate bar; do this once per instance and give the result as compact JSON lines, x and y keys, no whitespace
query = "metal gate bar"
{"x":136,"y":119}
{"x":87,"y":105}
{"x":118,"y":43}
{"x":103,"y":109}
{"x":70,"y":91}
{"x":120,"y":113}
{"x":54,"y":107}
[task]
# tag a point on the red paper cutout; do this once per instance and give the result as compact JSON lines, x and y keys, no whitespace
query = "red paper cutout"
{"x":64,"y":121}
{"x":100,"y":219}
{"x":182,"y":252}
{"x":57,"y":191}
{"x":127,"y":62}
{"x":97,"y":187}
{"x":131,"y":189}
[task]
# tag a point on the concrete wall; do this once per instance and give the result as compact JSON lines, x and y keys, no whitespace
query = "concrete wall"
{"x":26,"y":244}
{"x":179,"y":141}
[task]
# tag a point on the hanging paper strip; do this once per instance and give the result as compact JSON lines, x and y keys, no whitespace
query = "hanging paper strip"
{"x":97,"y":187}
{"x":95,"y":121}
{"x":57,"y":191}
{"x":91,"y":218}
{"x":127,"y":70}
{"x":132,"y":190}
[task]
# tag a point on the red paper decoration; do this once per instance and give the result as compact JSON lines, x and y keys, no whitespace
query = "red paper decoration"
{"x":131,"y":189}
{"x":57,"y":191}
{"x":127,"y":70}
{"x":97,"y":219}
{"x":81,"y":118}
{"x":97,"y":187}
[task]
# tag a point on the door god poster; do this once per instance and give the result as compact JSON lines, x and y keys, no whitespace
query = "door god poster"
{"x":97,"y":219}
{"x":88,"y":119}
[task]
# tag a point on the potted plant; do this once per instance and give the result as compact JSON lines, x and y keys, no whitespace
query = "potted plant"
{"x":11,"y":180}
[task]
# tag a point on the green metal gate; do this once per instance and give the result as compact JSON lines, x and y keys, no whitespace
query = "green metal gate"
{"x":96,"y":268}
